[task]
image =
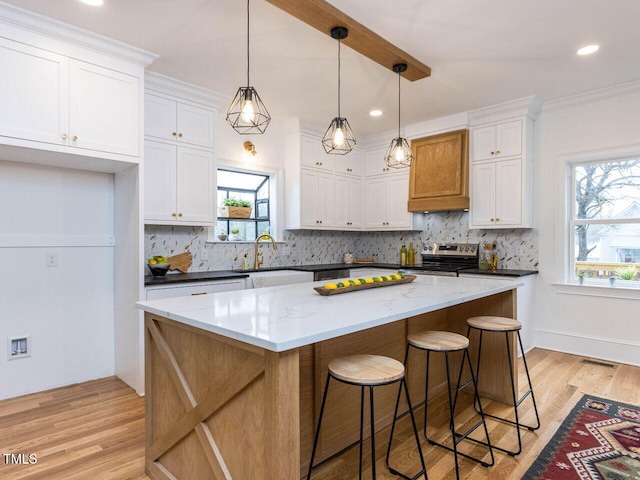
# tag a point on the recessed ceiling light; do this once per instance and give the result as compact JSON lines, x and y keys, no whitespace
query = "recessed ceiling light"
{"x":93,"y":3}
{"x":588,"y":49}
{"x":375,"y":113}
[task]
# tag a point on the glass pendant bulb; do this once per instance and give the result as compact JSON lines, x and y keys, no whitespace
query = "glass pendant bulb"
{"x":339,"y":138}
{"x":399,"y":153}
{"x":247,"y":114}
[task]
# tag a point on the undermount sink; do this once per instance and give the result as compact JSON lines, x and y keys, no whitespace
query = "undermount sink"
{"x":274,"y":278}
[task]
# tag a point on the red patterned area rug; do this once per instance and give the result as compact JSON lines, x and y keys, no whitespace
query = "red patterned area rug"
{"x":599,"y":440}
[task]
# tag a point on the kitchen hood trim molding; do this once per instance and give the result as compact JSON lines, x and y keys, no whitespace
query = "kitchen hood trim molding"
{"x":187,"y":91}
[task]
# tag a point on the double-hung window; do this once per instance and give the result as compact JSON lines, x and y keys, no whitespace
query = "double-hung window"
{"x":604,"y":222}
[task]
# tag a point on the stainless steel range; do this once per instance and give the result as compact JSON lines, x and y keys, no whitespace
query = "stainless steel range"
{"x":447,"y":259}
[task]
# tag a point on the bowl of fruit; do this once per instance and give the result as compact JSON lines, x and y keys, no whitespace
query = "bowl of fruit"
{"x":158,"y":265}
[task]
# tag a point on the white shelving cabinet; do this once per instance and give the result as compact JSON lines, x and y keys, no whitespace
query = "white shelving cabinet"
{"x":501,"y":175}
{"x":180,"y":163}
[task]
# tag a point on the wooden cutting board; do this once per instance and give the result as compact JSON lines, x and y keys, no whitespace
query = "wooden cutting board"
{"x":181,"y":262}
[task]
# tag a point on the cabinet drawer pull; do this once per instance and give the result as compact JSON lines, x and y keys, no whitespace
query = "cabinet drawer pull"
{"x":64,"y":136}
{"x":74,"y":138}
{"x":201,"y":293}
{"x":174,"y":134}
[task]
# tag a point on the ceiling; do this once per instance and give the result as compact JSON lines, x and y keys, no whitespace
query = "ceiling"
{"x":481,"y":52}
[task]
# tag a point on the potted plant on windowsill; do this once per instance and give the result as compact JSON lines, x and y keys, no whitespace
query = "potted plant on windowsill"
{"x":581,"y":277}
{"x":234,"y":208}
{"x":235,"y":235}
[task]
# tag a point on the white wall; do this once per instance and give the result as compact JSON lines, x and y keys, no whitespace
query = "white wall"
{"x":67,"y":310}
{"x":582,"y":127}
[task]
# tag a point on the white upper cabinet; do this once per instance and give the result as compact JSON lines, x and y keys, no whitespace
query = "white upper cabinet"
{"x":180,"y":122}
{"x":70,"y":93}
{"x":348,"y":202}
{"x":34,"y":93}
{"x":501,"y":172}
{"x":312,"y":154}
{"x":386,"y":204}
{"x":497,"y":141}
{"x":103,"y":109}
{"x":375,"y":164}
{"x":179,"y":185}
{"x":351,"y":164}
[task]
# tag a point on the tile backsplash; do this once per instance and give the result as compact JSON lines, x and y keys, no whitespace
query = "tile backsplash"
{"x":518,"y":249}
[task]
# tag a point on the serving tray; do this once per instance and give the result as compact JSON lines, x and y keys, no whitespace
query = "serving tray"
{"x":335,"y":291}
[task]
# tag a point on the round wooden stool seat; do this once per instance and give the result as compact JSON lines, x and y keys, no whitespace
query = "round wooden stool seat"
{"x":438,"y":341}
{"x":366,"y":369}
{"x":494,"y":324}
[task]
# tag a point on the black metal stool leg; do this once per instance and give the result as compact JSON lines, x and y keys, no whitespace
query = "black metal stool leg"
{"x":403,"y":383}
{"x":361,"y":430}
{"x":533,"y":398}
{"x":317,"y":435}
{"x":514,"y":393}
{"x":373,"y":434}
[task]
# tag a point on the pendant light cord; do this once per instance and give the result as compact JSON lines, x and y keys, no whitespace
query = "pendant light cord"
{"x":399,"y":104}
{"x":248,"y":84}
{"x":339,"y":78}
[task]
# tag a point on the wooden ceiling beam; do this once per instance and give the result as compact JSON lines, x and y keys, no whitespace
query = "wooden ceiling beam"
{"x":324,"y":16}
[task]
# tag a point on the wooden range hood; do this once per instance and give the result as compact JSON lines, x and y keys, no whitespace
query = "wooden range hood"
{"x":324,"y":16}
{"x":439,"y":176}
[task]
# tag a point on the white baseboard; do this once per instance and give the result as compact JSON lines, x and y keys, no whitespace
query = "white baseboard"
{"x":612,"y":349}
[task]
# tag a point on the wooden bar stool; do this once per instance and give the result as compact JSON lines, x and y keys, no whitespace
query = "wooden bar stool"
{"x":367,"y":371}
{"x":448,"y":342}
{"x":491,"y":324}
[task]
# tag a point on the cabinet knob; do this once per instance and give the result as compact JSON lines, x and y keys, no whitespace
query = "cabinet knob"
{"x":64,"y":136}
{"x":179,"y":135}
{"x":493,"y":153}
{"x":174,"y":134}
{"x":180,"y":214}
{"x":497,"y":152}
{"x":174,"y":214}
{"x":74,"y":138}
{"x":320,"y":221}
{"x":320,"y":163}
{"x":497,"y":219}
{"x":492,"y":220}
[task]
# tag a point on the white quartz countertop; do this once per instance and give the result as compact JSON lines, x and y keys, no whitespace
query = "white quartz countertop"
{"x":290,"y":316}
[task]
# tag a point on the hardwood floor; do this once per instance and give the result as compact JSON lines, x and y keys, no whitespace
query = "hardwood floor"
{"x":95,"y":430}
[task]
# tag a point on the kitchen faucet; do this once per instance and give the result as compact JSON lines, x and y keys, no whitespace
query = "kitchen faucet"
{"x":258,"y":257}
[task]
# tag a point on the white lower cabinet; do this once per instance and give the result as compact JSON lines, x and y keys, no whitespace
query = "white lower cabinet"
{"x":194,"y":288}
{"x":179,"y":185}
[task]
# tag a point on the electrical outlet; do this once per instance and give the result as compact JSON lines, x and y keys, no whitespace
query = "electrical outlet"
{"x":204,"y":254}
{"x":51,"y":259}
{"x":18,"y":347}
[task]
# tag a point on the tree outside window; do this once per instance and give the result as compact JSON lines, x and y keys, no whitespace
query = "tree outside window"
{"x":605,"y":219}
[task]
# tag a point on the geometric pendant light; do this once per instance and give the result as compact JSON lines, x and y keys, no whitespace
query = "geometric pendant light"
{"x":247,"y":114}
{"x":399,"y":153}
{"x":339,"y":139}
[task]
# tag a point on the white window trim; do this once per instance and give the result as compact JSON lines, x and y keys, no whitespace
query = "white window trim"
{"x":276,"y":195}
{"x":564,"y":200}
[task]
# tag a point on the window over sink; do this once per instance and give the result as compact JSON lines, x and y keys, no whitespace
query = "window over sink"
{"x":244,"y":205}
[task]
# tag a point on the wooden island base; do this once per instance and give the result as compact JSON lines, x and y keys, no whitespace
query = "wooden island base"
{"x":219,"y":408}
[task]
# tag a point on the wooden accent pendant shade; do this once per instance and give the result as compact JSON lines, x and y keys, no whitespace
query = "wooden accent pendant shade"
{"x":324,"y":16}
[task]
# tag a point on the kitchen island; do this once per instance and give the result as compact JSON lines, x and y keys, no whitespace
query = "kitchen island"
{"x":234,"y":379}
